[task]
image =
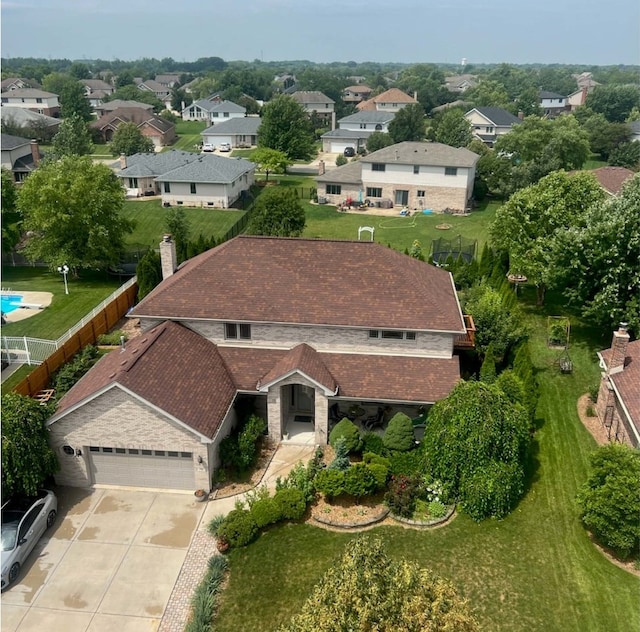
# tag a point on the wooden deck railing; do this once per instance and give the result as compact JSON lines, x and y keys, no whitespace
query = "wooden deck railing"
{"x":468,"y":340}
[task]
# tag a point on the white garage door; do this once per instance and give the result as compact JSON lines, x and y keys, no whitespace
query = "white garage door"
{"x":142,"y":468}
{"x":338,"y":148}
{"x":218,"y":140}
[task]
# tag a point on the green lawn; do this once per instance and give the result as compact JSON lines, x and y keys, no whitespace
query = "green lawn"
{"x":188,"y":135}
{"x":102,"y":151}
{"x":242,"y":153}
{"x":594,"y":162}
{"x":535,"y":570}
{"x":149,"y":217}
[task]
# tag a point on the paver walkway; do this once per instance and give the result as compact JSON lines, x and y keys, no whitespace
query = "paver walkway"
{"x":203,"y":545}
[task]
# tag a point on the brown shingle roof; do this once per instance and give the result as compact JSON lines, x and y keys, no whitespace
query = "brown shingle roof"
{"x":627,"y":381}
{"x":308,"y":281}
{"x":611,"y":179}
{"x":171,"y":367}
{"x":393,"y":95}
{"x":305,"y":359}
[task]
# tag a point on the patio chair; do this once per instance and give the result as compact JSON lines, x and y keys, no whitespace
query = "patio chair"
{"x":374,"y":421}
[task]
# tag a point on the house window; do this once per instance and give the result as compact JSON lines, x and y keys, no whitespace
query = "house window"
{"x":235,"y":331}
{"x":38,"y":100}
{"x":214,"y":115}
{"x":192,"y":188}
{"x":133,"y":183}
{"x":392,"y":334}
{"x":420,"y":193}
{"x":179,"y":202}
{"x":377,"y":166}
{"x":394,"y":105}
{"x":374,"y":192}
{"x":451,"y":171}
{"x":374,"y":333}
{"x":5,"y":100}
{"x":167,"y":187}
{"x":416,"y":169}
{"x":333,"y":189}
{"x":363,"y":126}
{"x":489,"y":129}
{"x":226,"y":115}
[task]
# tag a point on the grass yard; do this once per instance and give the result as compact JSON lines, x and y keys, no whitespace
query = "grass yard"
{"x":594,"y":162}
{"x":535,"y":570}
{"x":188,"y":135}
{"x":242,"y":153}
{"x":149,"y":217}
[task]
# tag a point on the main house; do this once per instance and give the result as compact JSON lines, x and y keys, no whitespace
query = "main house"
{"x":354,"y":130}
{"x":415,"y":175}
{"x":489,"y":123}
{"x":183,"y":178}
{"x":294,"y":330}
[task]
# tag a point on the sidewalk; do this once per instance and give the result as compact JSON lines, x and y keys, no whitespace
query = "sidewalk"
{"x":203,"y":545}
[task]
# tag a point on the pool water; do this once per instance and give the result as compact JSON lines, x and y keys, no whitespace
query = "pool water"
{"x":10,"y":302}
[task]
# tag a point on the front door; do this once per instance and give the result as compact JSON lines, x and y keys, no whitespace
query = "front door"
{"x":402,"y":197}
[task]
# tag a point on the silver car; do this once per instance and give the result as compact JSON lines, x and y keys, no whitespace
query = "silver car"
{"x":24,"y":520}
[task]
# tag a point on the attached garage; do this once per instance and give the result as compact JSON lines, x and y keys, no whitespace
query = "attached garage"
{"x":136,"y":467}
{"x":338,"y":147}
{"x":217,"y":140}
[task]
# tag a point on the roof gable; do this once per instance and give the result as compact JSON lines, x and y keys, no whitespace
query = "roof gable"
{"x":498,"y":116}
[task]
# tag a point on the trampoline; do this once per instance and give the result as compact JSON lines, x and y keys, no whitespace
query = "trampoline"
{"x":457,"y":247}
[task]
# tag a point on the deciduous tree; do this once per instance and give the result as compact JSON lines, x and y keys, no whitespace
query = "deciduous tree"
{"x":74,"y":207}
{"x":408,"y":124}
{"x":277,"y":213}
{"x":177,"y":225}
{"x":73,"y":138}
{"x":286,"y":128}
{"x":614,"y":101}
{"x":128,"y":140}
{"x":453,"y":129}
{"x":270,"y":160}
{"x":378,"y":140}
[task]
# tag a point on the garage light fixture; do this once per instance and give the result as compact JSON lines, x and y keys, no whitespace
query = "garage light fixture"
{"x":200,"y":460}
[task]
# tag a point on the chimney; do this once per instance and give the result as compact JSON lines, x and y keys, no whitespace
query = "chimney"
{"x":520,"y":114}
{"x":333,"y":120}
{"x":168,"y":257}
{"x":618,"y":349}
{"x":321,"y":168}
{"x":123,"y":161}
{"x":415,"y":95}
{"x":35,"y":152}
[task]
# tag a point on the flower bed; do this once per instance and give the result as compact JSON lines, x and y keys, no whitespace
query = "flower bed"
{"x":426,"y":522}
{"x":345,"y":514}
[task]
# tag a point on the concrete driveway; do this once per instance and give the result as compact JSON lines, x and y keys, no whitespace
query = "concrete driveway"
{"x":110,"y":563}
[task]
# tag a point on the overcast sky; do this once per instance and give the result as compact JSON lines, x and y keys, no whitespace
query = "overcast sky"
{"x":544,"y":31}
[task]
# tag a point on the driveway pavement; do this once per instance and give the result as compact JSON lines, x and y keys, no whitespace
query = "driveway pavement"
{"x":110,"y":563}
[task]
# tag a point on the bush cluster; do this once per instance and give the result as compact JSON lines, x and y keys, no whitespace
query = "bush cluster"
{"x":402,"y":495}
{"x":239,"y":451}
{"x":399,"y":434}
{"x":239,"y":528}
{"x":72,"y":371}
{"x":112,"y":338}
{"x":349,"y":431}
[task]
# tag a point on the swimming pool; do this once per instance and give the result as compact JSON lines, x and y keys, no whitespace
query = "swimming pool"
{"x":10,"y":302}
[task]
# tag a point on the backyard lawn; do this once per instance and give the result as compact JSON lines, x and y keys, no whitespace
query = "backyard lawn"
{"x":149,"y":218}
{"x":188,"y":135}
{"x":535,"y":570}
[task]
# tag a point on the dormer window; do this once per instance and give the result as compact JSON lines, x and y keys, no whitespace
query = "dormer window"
{"x":237,"y":331}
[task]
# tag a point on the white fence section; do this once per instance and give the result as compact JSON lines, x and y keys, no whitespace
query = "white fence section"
{"x":25,"y":350}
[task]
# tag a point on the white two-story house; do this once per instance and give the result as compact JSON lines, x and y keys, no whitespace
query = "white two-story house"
{"x":553,"y":104}
{"x":294,"y":330}
{"x":414,"y":175}
{"x":213,"y":112}
{"x":32,"y":99}
{"x":318,"y":102}
{"x":488,"y":123}
{"x":355,"y":129}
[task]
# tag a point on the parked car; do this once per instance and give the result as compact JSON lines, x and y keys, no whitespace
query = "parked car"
{"x":225,"y":147}
{"x":24,"y":520}
{"x":208,"y":147}
{"x":349,"y":152}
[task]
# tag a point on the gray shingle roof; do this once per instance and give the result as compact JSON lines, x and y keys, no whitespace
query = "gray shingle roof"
{"x":228,"y":106}
{"x":348,"y":133}
{"x":428,"y":154}
{"x":544,"y":94}
{"x":310,"y":96}
{"x":24,"y":117}
{"x":244,"y":125}
{"x":347,"y":174}
{"x":203,"y":104}
{"x":209,"y":168}
{"x":7,"y":141}
{"x":368,"y":116}
{"x":29,"y":93}
{"x":153,"y":164}
{"x":122,"y":103}
{"x":498,"y":116}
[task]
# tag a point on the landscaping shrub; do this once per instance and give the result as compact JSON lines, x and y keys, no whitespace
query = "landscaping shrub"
{"x":203,"y":602}
{"x":359,"y":481}
{"x":408,"y":463}
{"x":330,"y":483}
{"x":239,"y":528}
{"x":402,"y":495}
{"x":372,"y":442}
{"x":437,"y":509}
{"x":229,"y":452}
{"x":488,"y":368}
{"x":301,"y":478}
{"x":112,"y":338}
{"x":265,"y":511}
{"x":214,"y":524}
{"x":290,"y":503}
{"x":371,"y":458}
{"x":341,"y":160}
{"x":248,"y":441}
{"x":341,"y":461}
{"x":349,"y":431}
{"x":72,"y":371}
{"x":511,"y":385}
{"x":381,"y":474}
{"x":593,"y":392}
{"x":253,"y":496}
{"x":399,"y":434}
{"x":591,"y":412}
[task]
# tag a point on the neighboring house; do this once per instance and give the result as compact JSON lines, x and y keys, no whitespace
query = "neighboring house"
{"x":355,"y":129}
{"x":356,"y":93}
{"x":284,"y":82}
{"x":238,"y":132}
{"x":212,"y":112}
{"x":96,"y":90}
{"x":160,"y":131}
{"x":458,"y":103}
{"x":187,"y":87}
{"x":116,"y":104}
{"x":414,"y":175}
{"x":635,"y":130}
{"x":313,"y":101}
{"x":577,"y":98}
{"x":28,"y":119}
{"x":343,"y":323}
{"x":186,"y":179}
{"x":618,"y":402}
{"x":162,"y":93}
{"x":391,"y":100}
{"x":168,"y":80}
{"x":489,"y":123}
{"x":460,"y":83}
{"x":20,"y":156}
{"x":32,"y":99}
{"x":552,"y":104}
{"x":17,"y":83}
{"x":611,"y":179}
{"x":585,"y":80}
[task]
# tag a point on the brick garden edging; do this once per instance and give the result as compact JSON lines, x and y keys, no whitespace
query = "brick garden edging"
{"x":425,"y":523}
{"x":352,"y":525}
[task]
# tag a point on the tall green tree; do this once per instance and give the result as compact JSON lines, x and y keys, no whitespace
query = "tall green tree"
{"x":27,"y":458}
{"x":11,"y":217}
{"x":604,"y":136}
{"x":378,"y":140}
{"x":277,"y":213}
{"x":527,"y":225}
{"x":74,"y":208}
{"x":489,"y":92}
{"x":597,"y":262}
{"x":615,"y":102}
{"x":270,"y":160}
{"x":71,"y":94}
{"x":453,"y":129}
{"x":367,"y":590}
{"x":626,"y":155}
{"x":286,"y":127}
{"x":128,"y":140}
{"x":73,"y":138}
{"x":177,"y":225}
{"x":408,"y":124}
{"x":148,"y":272}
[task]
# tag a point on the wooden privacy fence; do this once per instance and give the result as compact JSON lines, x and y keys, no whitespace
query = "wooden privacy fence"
{"x":99,"y":321}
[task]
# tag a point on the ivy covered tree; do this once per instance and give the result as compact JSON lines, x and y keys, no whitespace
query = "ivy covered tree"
{"x":610,"y":499}
{"x":177,"y":225}
{"x":367,"y":590}
{"x":27,"y":458}
{"x":128,"y":140}
{"x":277,"y":213}
{"x":477,"y":442}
